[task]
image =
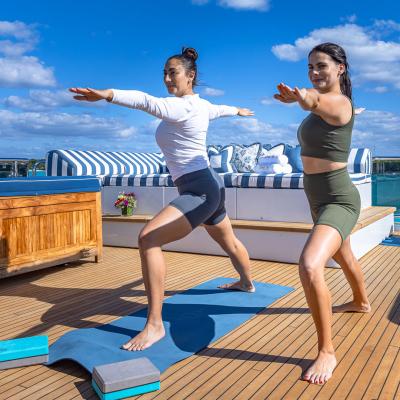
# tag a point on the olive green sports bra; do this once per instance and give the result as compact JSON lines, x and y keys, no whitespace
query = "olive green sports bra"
{"x":319,"y":139}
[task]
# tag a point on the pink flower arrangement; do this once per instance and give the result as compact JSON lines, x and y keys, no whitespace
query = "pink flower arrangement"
{"x":125,"y":200}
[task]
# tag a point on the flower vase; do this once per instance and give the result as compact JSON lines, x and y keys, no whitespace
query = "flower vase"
{"x":127,"y":211}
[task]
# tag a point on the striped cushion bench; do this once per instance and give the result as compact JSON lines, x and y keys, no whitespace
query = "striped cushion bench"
{"x":149,"y":169}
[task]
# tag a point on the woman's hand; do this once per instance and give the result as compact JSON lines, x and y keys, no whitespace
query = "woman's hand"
{"x":286,"y":94}
{"x":89,"y":94}
{"x":307,"y":100}
{"x":245,"y":112}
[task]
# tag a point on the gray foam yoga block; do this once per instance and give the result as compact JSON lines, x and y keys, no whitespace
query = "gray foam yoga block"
{"x":24,"y":362}
{"x":125,"y":374}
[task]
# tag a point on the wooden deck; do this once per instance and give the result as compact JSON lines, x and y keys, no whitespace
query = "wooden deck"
{"x":261,"y":359}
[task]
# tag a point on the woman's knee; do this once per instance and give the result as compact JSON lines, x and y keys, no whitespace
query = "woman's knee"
{"x":310,"y":268}
{"x":147,"y":239}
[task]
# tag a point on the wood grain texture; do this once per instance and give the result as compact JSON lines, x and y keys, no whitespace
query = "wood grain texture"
{"x":38,"y":231}
{"x":261,"y":359}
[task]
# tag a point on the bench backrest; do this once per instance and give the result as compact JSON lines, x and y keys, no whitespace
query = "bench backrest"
{"x":84,"y":162}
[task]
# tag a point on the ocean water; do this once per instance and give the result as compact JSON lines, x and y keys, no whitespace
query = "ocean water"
{"x":386,"y":192}
{"x":39,"y":172}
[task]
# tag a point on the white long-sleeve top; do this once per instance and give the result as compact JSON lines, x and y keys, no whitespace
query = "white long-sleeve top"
{"x":181,"y":135}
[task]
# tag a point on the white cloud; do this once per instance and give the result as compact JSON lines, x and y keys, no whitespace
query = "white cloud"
{"x":39,"y":100}
{"x":16,"y":68}
{"x":45,"y":100}
{"x":383,"y":27}
{"x":31,"y":124}
{"x":371,"y":60}
{"x":258,"y":5}
{"x":208,"y":91}
{"x":249,"y":130}
{"x":379,"y":89}
{"x":379,"y":131}
{"x":270,"y":101}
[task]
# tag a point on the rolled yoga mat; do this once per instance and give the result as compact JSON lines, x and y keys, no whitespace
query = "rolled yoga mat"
{"x":192,"y":319}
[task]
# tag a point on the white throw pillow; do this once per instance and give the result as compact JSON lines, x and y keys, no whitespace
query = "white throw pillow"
{"x":267,"y":160}
{"x":273,"y":169}
{"x":274,"y":151}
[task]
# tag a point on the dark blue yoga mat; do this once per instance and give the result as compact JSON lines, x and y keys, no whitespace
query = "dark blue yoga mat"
{"x":192,"y":319}
{"x":392,"y":241}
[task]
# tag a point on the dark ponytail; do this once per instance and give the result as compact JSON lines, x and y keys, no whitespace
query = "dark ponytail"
{"x":188,"y":59}
{"x":339,"y":56}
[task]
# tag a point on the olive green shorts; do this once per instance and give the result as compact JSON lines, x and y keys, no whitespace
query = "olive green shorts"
{"x":333,"y":199}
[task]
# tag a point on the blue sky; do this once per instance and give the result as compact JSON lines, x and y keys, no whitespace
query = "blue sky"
{"x":246,"y":47}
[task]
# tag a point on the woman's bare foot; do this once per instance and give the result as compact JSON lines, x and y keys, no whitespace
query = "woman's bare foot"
{"x":149,"y":335}
{"x":244,"y":287}
{"x":352,"y":307}
{"x":322,"y":368}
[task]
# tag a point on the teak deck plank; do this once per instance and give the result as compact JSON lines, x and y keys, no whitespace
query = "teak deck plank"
{"x":261,"y":359}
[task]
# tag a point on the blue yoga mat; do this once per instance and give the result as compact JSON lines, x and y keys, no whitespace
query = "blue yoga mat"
{"x":392,"y":241}
{"x":192,"y":319}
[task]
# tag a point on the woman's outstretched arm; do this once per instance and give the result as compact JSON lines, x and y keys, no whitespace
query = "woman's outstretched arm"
{"x":329,"y":106}
{"x":217,"y":111}
{"x":163,"y":108}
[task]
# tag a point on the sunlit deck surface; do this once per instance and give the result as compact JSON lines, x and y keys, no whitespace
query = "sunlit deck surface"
{"x":261,"y":359}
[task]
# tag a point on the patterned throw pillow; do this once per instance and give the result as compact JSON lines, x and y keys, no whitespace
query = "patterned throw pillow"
{"x":221,"y":159}
{"x":245,"y":157}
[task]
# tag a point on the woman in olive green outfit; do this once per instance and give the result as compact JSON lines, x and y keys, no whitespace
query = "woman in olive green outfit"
{"x":325,"y":138}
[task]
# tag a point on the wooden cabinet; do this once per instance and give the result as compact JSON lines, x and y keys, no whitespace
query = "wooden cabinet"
{"x":45,"y":230}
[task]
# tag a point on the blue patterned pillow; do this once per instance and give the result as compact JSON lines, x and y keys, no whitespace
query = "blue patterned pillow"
{"x":220,"y":160}
{"x":246,"y":156}
{"x":293,"y":154}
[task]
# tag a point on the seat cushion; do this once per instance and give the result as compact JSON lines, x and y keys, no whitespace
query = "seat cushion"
{"x":273,"y":181}
{"x":40,"y":185}
{"x":137,"y":180}
{"x":285,"y":181}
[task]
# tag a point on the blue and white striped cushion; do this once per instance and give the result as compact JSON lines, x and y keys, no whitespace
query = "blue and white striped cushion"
{"x":230,"y":178}
{"x":141,"y":163}
{"x":273,"y":181}
{"x":360,"y":178}
{"x":360,"y":161}
{"x":285,"y":181}
{"x":78,"y":162}
{"x":136,"y":180}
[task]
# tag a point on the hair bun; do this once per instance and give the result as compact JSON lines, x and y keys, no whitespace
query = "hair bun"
{"x":190,"y":52}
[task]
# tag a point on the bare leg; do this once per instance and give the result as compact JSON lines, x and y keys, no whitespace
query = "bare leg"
{"x":352,"y":270}
{"x":223,"y":234}
{"x":323,"y":242}
{"x":167,"y":226}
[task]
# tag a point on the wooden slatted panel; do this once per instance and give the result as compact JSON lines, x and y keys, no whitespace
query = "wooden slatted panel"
{"x":261,"y":359}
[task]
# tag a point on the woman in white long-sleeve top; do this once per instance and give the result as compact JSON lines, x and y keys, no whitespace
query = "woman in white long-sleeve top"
{"x":181,"y":136}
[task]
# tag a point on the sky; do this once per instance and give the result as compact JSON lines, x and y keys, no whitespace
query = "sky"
{"x":245,"y":47}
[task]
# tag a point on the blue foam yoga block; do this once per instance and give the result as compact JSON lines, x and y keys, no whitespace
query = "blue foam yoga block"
{"x":14,"y":349}
{"x":122,"y":394}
